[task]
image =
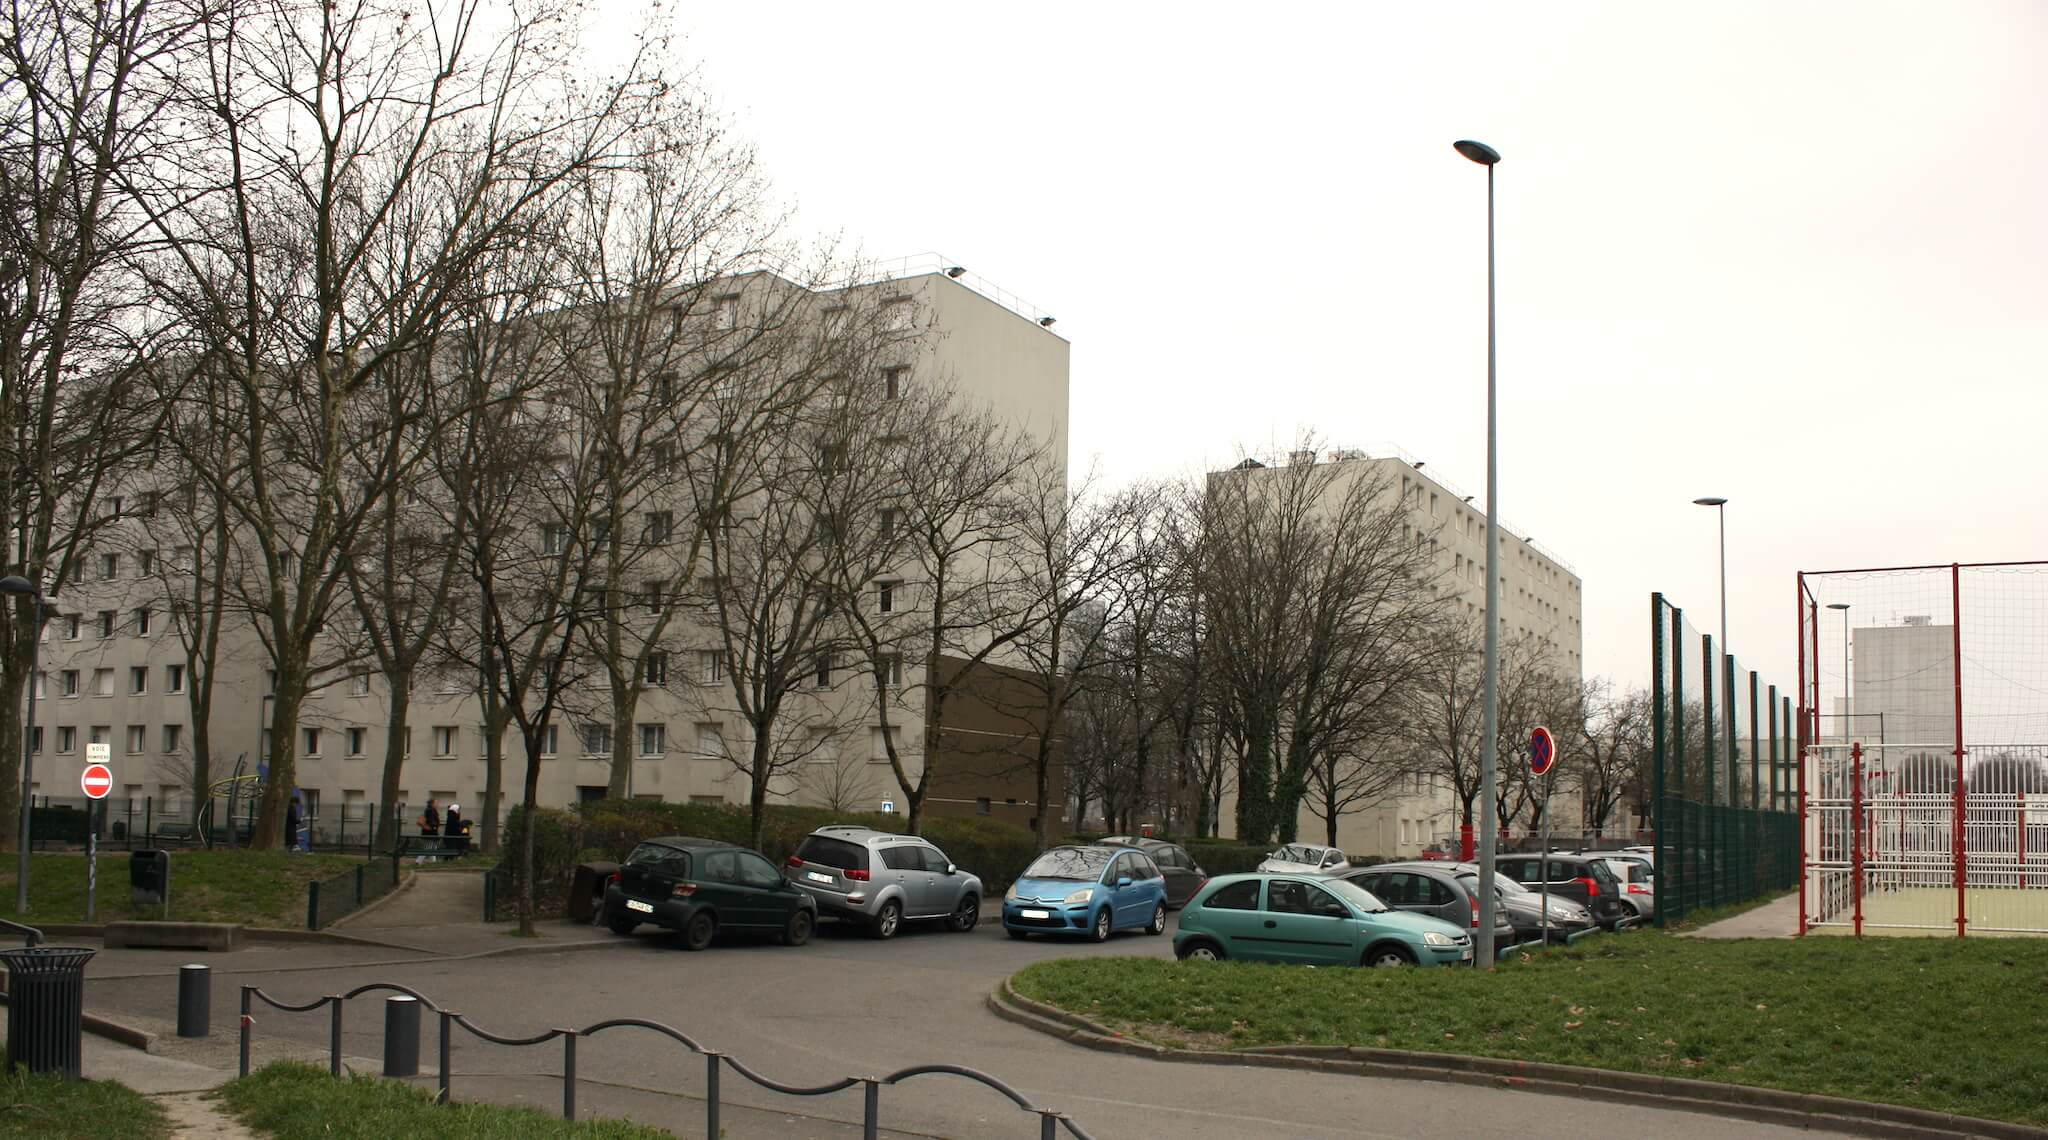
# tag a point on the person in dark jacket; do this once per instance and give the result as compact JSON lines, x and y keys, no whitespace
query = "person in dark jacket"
{"x":291,"y":824}
{"x":430,"y":820}
{"x":456,"y":829}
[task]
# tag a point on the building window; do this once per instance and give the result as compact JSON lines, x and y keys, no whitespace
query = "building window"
{"x":312,"y":737}
{"x":658,"y":527}
{"x":892,"y":382}
{"x":888,"y":522}
{"x":885,"y":596}
{"x":726,"y":312}
{"x":35,"y":740}
{"x":100,"y":734}
{"x":898,"y":314}
{"x":711,"y":666}
{"x":359,"y":685}
{"x":67,"y":683}
{"x":174,"y":737}
{"x":710,"y":741}
{"x":145,"y":563}
{"x":138,"y":739}
{"x":138,"y":679}
{"x":357,"y":737}
{"x":657,"y":594}
{"x":549,"y":738}
{"x":445,"y":737}
{"x":597,"y":740}
{"x":42,"y":686}
{"x":889,"y":670}
{"x":67,"y":740}
{"x":880,"y":741}
{"x":71,"y":627}
{"x":144,"y":621}
{"x":653,"y":739}
{"x":106,"y":624}
{"x":102,"y":682}
{"x":174,"y":678}
{"x":110,"y":567}
{"x":824,"y":668}
{"x":554,"y":538}
{"x":655,"y":671}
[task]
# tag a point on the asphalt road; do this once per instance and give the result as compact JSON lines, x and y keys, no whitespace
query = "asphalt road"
{"x":849,"y":1006}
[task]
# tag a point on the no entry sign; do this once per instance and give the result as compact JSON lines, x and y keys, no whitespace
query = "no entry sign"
{"x":96,"y":781}
{"x":1542,"y":751}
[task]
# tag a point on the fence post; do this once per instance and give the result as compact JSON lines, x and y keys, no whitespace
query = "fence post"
{"x":711,"y":1067}
{"x":334,"y":1037}
{"x":1957,"y":830}
{"x":871,"y":1109}
{"x":359,"y":883}
{"x":568,"y":1074}
{"x":245,"y":1023}
{"x":490,"y":897}
{"x":1048,"y":1124}
{"x":447,"y":1032}
{"x":195,"y":1000}
{"x":401,"y":1036}
{"x":1856,"y":831}
{"x":313,"y":904}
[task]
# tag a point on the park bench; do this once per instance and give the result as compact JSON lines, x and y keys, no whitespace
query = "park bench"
{"x":173,"y":832}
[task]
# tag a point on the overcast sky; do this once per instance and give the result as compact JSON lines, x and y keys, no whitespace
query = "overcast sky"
{"x":1793,"y":254}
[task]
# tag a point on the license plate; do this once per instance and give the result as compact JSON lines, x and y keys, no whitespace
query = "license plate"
{"x":1465,"y":957}
{"x":816,"y":877}
{"x":1036,"y":913}
{"x":636,"y":904}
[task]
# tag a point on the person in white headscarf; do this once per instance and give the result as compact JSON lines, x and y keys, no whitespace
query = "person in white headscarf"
{"x":455,"y":829}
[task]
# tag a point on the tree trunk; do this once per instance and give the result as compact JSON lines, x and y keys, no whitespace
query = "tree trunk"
{"x":529,"y":803}
{"x":625,"y":705}
{"x":277,"y":785}
{"x":396,"y":735}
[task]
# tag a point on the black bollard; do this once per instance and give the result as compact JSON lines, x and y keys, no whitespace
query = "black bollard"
{"x":401,"y":1036}
{"x":195,"y":1001}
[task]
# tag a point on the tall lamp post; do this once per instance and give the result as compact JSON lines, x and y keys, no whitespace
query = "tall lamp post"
{"x":1721,"y":515}
{"x":1848,"y":694}
{"x":1489,"y":758}
{"x":15,"y":584}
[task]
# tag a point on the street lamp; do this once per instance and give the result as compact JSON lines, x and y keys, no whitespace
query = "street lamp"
{"x":1848,"y":695}
{"x":1721,"y":514}
{"x":15,"y":584}
{"x":1489,"y":752}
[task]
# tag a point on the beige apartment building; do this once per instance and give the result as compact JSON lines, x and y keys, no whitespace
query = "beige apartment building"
{"x":114,"y":670}
{"x":1540,"y":597}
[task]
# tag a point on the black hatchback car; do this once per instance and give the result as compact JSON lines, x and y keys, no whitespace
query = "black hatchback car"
{"x":703,"y":886}
{"x":1184,"y":876}
{"x":1584,"y":879}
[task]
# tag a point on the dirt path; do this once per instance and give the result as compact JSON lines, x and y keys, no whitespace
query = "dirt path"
{"x":435,"y":898}
{"x":198,"y":1116}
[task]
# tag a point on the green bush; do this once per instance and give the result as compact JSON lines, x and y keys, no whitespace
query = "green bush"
{"x":557,"y":847}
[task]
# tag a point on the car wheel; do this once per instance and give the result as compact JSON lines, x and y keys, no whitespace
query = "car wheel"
{"x":622,"y":925}
{"x":1019,"y":935}
{"x":1158,"y":923}
{"x":887,"y":920}
{"x":966,"y":915}
{"x":798,"y":931}
{"x":1202,"y":952}
{"x":1100,"y":931}
{"x":697,"y":935}
{"x":1388,"y":957}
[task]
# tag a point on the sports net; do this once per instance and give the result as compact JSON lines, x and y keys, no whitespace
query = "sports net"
{"x":1924,"y":749}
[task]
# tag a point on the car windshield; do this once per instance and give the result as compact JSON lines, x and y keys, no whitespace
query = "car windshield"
{"x":1502,"y":885}
{"x":1076,"y":863}
{"x":1296,"y":853}
{"x":660,"y":857}
{"x":1356,"y":895}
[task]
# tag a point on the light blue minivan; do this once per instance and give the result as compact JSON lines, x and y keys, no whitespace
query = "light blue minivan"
{"x":1087,"y":890}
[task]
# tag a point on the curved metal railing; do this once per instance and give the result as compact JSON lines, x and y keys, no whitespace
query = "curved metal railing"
{"x":1050,"y":1121}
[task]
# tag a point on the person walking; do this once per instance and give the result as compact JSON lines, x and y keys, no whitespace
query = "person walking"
{"x":291,"y":824}
{"x":456,"y":830}
{"x":430,"y":821}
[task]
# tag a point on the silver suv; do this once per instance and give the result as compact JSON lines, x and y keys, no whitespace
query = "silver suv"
{"x":881,"y":880}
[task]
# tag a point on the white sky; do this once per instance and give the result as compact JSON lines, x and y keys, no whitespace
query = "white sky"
{"x":1789,"y":253}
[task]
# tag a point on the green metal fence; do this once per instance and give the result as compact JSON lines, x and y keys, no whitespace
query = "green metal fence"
{"x":333,"y":898}
{"x":1723,"y":781}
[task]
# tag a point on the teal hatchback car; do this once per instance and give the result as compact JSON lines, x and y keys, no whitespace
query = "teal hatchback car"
{"x":1312,"y":921}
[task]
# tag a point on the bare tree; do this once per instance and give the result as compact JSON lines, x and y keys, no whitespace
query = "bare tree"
{"x":1606,"y":747}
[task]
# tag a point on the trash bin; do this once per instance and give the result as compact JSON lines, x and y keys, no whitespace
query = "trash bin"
{"x":586,"y":890}
{"x":149,"y":876}
{"x":45,"y":999}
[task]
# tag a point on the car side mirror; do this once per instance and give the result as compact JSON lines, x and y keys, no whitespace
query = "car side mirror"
{"x":1123,"y":880}
{"x":951,"y":869}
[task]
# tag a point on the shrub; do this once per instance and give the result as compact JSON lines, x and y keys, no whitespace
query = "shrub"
{"x":996,"y":851}
{"x":1226,"y":856}
{"x":557,"y":848}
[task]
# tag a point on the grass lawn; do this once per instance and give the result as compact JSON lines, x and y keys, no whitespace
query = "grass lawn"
{"x":52,"y":1108}
{"x":289,"y":1101}
{"x":1956,"y":1025}
{"x":254,"y":888}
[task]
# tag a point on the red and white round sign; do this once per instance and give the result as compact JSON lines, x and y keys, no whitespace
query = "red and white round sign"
{"x":96,"y":781}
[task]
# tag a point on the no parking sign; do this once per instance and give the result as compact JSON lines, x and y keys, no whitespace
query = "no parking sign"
{"x":1542,"y":751}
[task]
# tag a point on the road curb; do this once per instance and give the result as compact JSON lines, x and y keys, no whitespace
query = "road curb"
{"x":1773,"y":1106}
{"x":108,"y":1028}
{"x":404,"y":884}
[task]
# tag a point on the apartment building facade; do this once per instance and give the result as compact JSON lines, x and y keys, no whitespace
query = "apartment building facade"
{"x":1540,"y":601}
{"x":115,"y":671}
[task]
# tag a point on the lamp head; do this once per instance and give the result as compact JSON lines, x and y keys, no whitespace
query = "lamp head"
{"x":1710,"y":501}
{"x":1478,"y":152}
{"x":16,"y":584}
{"x":1843,"y":606}
{"x":956,"y":271}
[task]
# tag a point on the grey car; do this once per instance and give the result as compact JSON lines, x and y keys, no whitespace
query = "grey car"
{"x":1432,"y":889}
{"x":881,"y":880}
{"x":1184,"y":876}
{"x":1525,"y":908}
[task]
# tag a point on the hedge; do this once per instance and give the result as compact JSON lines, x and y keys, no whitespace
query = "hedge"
{"x":610,"y":829}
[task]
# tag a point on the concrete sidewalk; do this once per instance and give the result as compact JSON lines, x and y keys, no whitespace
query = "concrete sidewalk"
{"x":1778,"y":918}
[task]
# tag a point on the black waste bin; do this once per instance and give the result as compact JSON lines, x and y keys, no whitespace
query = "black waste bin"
{"x":149,"y":875}
{"x":45,"y":1000}
{"x":586,"y":890}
